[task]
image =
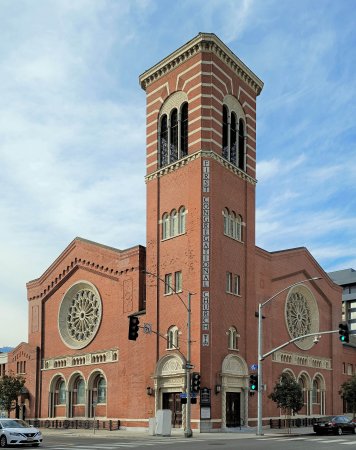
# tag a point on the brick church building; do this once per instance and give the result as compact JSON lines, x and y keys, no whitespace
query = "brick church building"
{"x":201,"y":185}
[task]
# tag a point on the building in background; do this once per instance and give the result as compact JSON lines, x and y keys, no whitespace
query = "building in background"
{"x":201,"y":182}
{"x":347,"y":280}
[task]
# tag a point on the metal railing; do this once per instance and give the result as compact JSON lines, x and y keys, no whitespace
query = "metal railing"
{"x":65,"y":424}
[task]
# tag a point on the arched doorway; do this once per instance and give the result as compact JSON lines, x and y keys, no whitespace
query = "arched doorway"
{"x":169,"y":383}
{"x":77,"y":396}
{"x":234,"y":375}
{"x":57,"y":402}
{"x":97,"y":394}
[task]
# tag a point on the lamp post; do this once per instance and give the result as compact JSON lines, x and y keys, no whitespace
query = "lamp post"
{"x":188,"y":365}
{"x":260,"y":351}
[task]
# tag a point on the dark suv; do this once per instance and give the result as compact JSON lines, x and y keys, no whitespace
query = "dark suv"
{"x":334,"y":424}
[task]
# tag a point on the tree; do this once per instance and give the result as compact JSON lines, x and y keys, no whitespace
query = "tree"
{"x":287,"y":394}
{"x":10,"y":388}
{"x":348,"y":393}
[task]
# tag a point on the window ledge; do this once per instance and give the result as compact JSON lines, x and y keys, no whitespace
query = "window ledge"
{"x":234,"y":239}
{"x":231,"y":293}
{"x":172,"y":237}
{"x":233,"y":349}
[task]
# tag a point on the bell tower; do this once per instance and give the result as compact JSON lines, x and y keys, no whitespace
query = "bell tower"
{"x":201,"y":177}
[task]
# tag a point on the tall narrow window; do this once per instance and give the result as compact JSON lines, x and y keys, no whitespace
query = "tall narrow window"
{"x":236,"y":285}
{"x":225,"y":149}
{"x":80,"y":386}
{"x":228,"y":281}
{"x":233,"y":339}
{"x":233,"y":139}
{"x":241,"y":164}
{"x":172,"y":338}
{"x":232,"y":232}
{"x":178,"y":281}
{"x":101,"y":390}
{"x":181,"y":220}
{"x":174,"y":223}
{"x":168,"y":284}
{"x":226,"y":215}
{"x":315,"y":391}
{"x":184,"y":131}
{"x":164,"y":142}
{"x":174,"y":136}
{"x":238,"y":234}
{"x":61,"y":399}
{"x":165,"y":226}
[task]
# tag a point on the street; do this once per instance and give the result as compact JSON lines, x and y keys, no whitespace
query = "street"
{"x":199,"y":442}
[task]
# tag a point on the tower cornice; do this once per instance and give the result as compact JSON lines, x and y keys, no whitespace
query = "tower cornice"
{"x":200,"y":154}
{"x":203,"y":42}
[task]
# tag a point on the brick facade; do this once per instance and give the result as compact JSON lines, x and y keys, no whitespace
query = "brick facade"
{"x":197,"y":188}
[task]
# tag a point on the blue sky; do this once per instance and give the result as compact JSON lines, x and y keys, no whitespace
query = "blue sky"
{"x":72,"y":124}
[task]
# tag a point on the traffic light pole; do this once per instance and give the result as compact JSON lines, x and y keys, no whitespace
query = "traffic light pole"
{"x":188,"y":429}
{"x":260,"y":355}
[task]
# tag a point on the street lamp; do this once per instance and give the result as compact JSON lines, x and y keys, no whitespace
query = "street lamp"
{"x":188,"y":366}
{"x":260,"y":351}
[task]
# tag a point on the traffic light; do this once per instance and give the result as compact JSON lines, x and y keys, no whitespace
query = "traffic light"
{"x":344,"y":332}
{"x":253,"y":382}
{"x":195,"y":382}
{"x":133,"y":328}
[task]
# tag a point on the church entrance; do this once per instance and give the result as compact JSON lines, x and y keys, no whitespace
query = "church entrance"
{"x":172,"y":401}
{"x":233,"y":409}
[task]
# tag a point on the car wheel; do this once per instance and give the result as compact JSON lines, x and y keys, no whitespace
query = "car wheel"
{"x":354,"y":430}
{"x":3,"y":441}
{"x":339,"y":431}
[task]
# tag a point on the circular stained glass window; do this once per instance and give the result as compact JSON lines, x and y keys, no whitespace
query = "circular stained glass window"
{"x":79,"y":315}
{"x":302,"y":315}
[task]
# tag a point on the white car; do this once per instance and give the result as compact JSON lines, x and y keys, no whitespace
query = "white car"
{"x":18,"y":432}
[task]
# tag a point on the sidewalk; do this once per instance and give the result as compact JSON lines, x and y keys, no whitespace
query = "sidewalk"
{"x":178,"y":433}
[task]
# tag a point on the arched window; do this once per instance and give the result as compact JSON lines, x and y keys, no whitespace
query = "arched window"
{"x":61,"y":388}
{"x":174,"y":136}
{"x":163,"y":144}
{"x":174,"y":223}
{"x":80,"y":391}
{"x":172,"y":338}
{"x":181,"y":220}
{"x":232,"y":227}
{"x":165,"y":226}
{"x":184,"y":131}
{"x":315,"y":392}
{"x":241,"y":163}
{"x":226,"y":215}
{"x":101,"y":389}
{"x":301,"y":382}
{"x":225,"y":134}
{"x":238,"y":228}
{"x":233,"y":139}
{"x":233,"y":338}
{"x":232,"y":224}
{"x":233,"y":132}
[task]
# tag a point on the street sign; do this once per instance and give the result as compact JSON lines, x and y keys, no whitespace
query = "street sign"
{"x":188,"y":366}
{"x":147,"y":328}
{"x":254,"y":366}
{"x":183,"y":395}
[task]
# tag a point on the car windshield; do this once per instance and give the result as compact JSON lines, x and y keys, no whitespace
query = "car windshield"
{"x":14,"y":424}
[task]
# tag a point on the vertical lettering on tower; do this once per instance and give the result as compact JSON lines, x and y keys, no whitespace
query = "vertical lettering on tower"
{"x":205,"y":253}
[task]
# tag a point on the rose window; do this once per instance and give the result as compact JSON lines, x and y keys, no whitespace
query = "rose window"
{"x":79,"y":315}
{"x":83,"y":315}
{"x":302,"y":315}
